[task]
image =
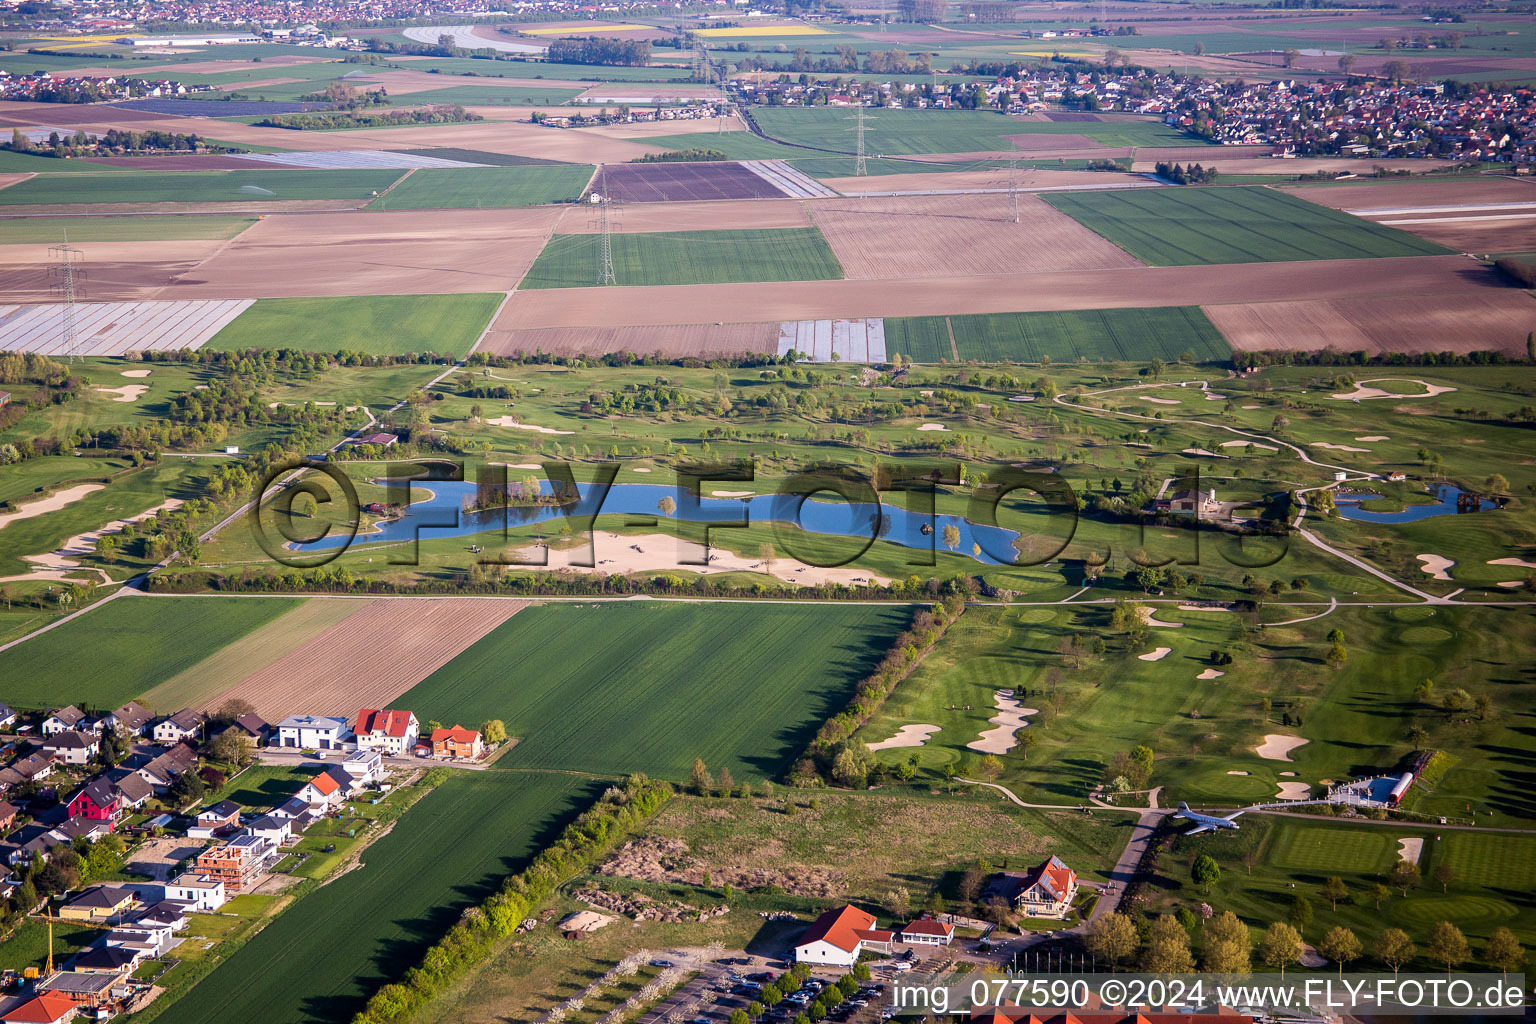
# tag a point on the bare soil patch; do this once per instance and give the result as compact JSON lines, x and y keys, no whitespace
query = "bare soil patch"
{"x":669,"y":340}
{"x":1492,"y":319}
{"x":704,"y":216}
{"x":370,"y":658}
{"x":1368,"y":196}
{"x":899,"y":236}
{"x":996,"y":178}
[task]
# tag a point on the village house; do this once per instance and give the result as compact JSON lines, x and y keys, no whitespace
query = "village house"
{"x":225,"y":812}
{"x":97,"y":800}
{"x":131,"y":789}
{"x":252,"y":728}
{"x":163,"y":770}
{"x":72,"y":747}
{"x":132,"y":719}
{"x":323,"y":791}
{"x":87,"y":991}
{"x":7,"y":716}
{"x":63,"y":720}
{"x":199,"y":892}
{"x":1044,"y":891}
{"x":393,"y":732}
{"x":312,"y":732}
{"x":98,"y":903}
{"x":272,"y":828}
{"x":926,"y":932}
{"x":837,"y":937}
{"x":47,"y":1008}
{"x":7,"y":815}
{"x":185,"y":724}
{"x":364,"y":767}
{"x":457,"y":742}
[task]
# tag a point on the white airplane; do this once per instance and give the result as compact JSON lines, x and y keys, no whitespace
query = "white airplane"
{"x":1206,"y":822}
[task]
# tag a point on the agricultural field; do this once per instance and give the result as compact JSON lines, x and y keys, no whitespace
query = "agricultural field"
{"x":687,"y":257}
{"x":754,"y":684}
{"x":1200,"y":226}
{"x":496,"y":96}
{"x":117,"y":652}
{"x":378,"y":325}
{"x":53,"y":230}
{"x":446,"y":188}
{"x":197,"y":187}
{"x":1165,"y":332}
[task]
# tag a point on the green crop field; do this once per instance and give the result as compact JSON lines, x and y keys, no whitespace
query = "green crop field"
{"x":320,"y":959}
{"x":1192,"y":226}
{"x":196,"y":187}
{"x":11,"y":162}
{"x":376,"y":324}
{"x":52,"y":230}
{"x":113,"y":653}
{"x":688,"y":257}
{"x":622,"y":688}
{"x":1164,"y":332}
{"x":496,"y":95}
{"x":448,"y":188}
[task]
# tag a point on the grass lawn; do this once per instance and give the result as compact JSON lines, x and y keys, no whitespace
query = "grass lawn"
{"x":320,"y":959}
{"x":27,"y":946}
{"x":115,"y":652}
{"x":262,"y":787}
{"x":1196,"y":226}
{"x":688,"y":257}
{"x":1164,"y":332}
{"x":374,"y":324}
{"x":623,"y":688}
{"x":448,"y":188}
{"x":196,"y":186}
{"x":51,"y":230}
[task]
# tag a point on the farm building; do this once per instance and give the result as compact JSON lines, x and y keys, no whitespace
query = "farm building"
{"x":837,"y":937}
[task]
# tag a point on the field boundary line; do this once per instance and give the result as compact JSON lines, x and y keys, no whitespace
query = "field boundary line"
{"x":409,"y":171}
{"x":950,"y":327}
{"x":505,"y":298}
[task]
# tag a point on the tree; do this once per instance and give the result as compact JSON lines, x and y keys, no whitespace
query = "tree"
{"x":991,"y":766}
{"x":897,"y":901}
{"x":726,"y":782}
{"x":1335,"y":890}
{"x":1418,"y":736}
{"x":1346,"y":62}
{"x":1444,"y":876}
{"x":1289,"y":56}
{"x":1379,"y":894}
{"x":703,"y":783}
{"x":739,"y":1016}
{"x":1341,"y":946}
{"x":1206,"y":872}
{"x":1496,"y":484}
{"x":1167,"y":949}
{"x":1112,"y":939}
{"x":1504,"y":951}
{"x":848,"y":769}
{"x":970,"y":882}
{"x":1280,"y":947}
{"x":1447,"y":945}
{"x":667,"y":505}
{"x":1336,"y":656}
{"x":493,"y":731}
{"x":951,"y":536}
{"x":1405,"y":875}
{"x":1228,"y":946}
{"x":1394,"y":948}
{"x":1301,"y":913}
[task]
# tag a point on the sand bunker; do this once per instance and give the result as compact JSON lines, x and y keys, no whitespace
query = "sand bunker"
{"x":1203,"y":451}
{"x":658,"y":552}
{"x":1410,"y":849}
{"x":1436,"y":565}
{"x":508,"y":421}
{"x":1287,"y":775}
{"x":1338,"y":447}
{"x":1249,"y":444}
{"x":1202,"y":608}
{"x":1010,"y":718}
{"x":68,"y":554}
{"x":1251,"y":407}
{"x":1157,"y":655}
{"x":1278,"y":747}
{"x":731,"y":494}
{"x":933,"y":426}
{"x":1294,"y":791}
{"x":1211,"y":396}
{"x":126,"y":393}
{"x":1022,"y":398}
{"x":1517,"y":562}
{"x":1363,"y":393}
{"x":640,"y":469}
{"x":906,"y":736}
{"x":524,"y":465}
{"x":1211,"y":673}
{"x":1236,"y":772}
{"x":1137,"y":444}
{"x":1374,"y":437}
{"x":52,"y":503}
{"x":135,"y":373}
{"x":1159,"y":401}
{"x":1149,"y":617}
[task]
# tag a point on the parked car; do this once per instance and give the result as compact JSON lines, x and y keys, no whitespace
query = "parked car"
{"x":662,"y":963}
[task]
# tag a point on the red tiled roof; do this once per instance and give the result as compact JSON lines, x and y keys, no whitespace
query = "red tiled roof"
{"x":457,"y":733}
{"x":840,"y":928}
{"x":928,"y":927}
{"x":390,"y":723}
{"x":325,"y":784}
{"x":45,"y":1009}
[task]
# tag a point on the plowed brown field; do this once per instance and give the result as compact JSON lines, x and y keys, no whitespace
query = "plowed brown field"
{"x":718,"y":215}
{"x":370,"y":658}
{"x":705,"y":340}
{"x":1430,"y":323}
{"x":1365,"y":196}
{"x":1029,"y":179}
{"x":903,"y":236}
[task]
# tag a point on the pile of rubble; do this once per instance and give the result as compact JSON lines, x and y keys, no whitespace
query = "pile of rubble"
{"x":640,"y":907}
{"x":671,"y":861}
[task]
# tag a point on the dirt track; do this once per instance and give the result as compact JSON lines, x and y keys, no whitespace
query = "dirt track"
{"x":369,"y":658}
{"x":929,"y":294}
{"x":882,"y":238}
{"x":1435,"y":323}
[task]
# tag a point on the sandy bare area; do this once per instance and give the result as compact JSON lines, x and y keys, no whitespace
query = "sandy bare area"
{"x":135,"y":373}
{"x":1148,"y":616}
{"x":724,"y":339}
{"x":68,"y":554}
{"x":126,"y":393}
{"x":1237,"y":771}
{"x":658,"y":552}
{"x":6,"y":180}
{"x":1474,"y":233}
{"x":899,"y":236}
{"x":1517,"y":562}
{"x":1156,"y":655}
{"x":52,"y":503}
{"x":931,"y":426}
{"x":372,"y":253}
{"x":717,"y":215}
{"x":1374,"y":437}
{"x":929,"y":294}
{"x":1010,"y":718}
{"x":1433,"y":321}
{"x":370,"y":658}
{"x":117,"y":270}
{"x":1294,"y":791}
{"x":508,"y":421}
{"x":906,"y":736}
{"x":1210,"y":673}
{"x":1159,"y":401}
{"x":1363,"y":391}
{"x":158,"y":858}
{"x":1436,"y":566}
{"x":1410,"y":849}
{"x":1367,"y":197}
{"x":1278,"y":747}
{"x":1338,"y":447}
{"x":507,"y":137}
{"x":1248,"y":444}
{"x":991,"y":178}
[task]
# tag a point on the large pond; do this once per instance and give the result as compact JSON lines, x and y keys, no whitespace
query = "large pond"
{"x":1446,"y":503}
{"x":443,"y":515}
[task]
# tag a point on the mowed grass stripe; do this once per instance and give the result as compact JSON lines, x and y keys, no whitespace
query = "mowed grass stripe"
{"x":449,"y":188}
{"x":1164,"y":332}
{"x":1192,"y":226}
{"x":321,"y":959}
{"x":374,"y":324}
{"x":1331,"y":851}
{"x":127,"y":646}
{"x":622,"y":688}
{"x":249,"y":654}
{"x":688,"y":257}
{"x":1494,"y":861}
{"x":198,"y":187}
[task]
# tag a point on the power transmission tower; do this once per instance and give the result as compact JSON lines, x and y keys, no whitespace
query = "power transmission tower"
{"x":605,"y":224}
{"x":65,"y":269}
{"x":860,"y":121}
